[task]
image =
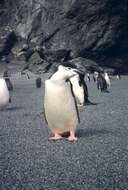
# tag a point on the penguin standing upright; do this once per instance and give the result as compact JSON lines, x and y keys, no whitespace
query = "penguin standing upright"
{"x":88,"y":77}
{"x":4,"y":94}
{"x":59,"y":104}
{"x":80,"y":89}
{"x":101,"y":83}
{"x":118,"y":76}
{"x":38,"y":82}
{"x":94,"y":78}
{"x":107,"y":79}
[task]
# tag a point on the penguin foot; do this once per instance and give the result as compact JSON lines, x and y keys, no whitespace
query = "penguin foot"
{"x":72,"y":137}
{"x":56,"y":137}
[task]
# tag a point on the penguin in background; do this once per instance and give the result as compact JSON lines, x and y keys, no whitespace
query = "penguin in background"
{"x":28,"y":76}
{"x":94,"y":78}
{"x":80,"y":89}
{"x":101,"y":83}
{"x":38,"y":82}
{"x":4,"y":94}
{"x":88,"y":77}
{"x":107,"y":78}
{"x":59,"y":104}
{"x":118,"y":76}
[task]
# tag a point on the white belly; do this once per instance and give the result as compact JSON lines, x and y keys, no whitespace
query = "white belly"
{"x":107,"y":80}
{"x":60,"y":108}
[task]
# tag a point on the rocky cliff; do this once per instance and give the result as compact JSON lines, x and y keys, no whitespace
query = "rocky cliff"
{"x":92,"y":29}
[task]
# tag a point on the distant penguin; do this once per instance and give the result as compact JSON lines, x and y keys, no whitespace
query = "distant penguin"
{"x":88,"y":77}
{"x":101,"y":83}
{"x":38,"y":82}
{"x":59,"y":104}
{"x":118,"y":77}
{"x":28,"y":76}
{"x":80,"y":89}
{"x":4,"y":94}
{"x":107,"y":79}
{"x":94,"y":78}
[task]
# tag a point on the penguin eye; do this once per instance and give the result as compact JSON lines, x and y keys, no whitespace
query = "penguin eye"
{"x":69,"y":68}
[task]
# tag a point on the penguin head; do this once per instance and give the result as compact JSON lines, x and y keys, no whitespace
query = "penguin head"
{"x":64,"y":73}
{"x":68,"y":72}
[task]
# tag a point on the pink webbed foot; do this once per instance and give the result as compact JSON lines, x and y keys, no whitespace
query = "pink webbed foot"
{"x":72,"y":137}
{"x":56,"y":137}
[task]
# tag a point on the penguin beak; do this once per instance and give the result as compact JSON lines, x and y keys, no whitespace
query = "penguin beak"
{"x":74,"y":73}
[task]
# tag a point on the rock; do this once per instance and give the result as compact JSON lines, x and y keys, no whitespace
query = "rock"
{"x":84,"y":65}
{"x":56,"y":56}
{"x":95,"y":30}
{"x":36,"y":64}
{"x":35,"y":59}
{"x":6,"y":43}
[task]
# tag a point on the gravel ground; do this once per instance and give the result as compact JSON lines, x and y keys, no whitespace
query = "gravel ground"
{"x":97,"y":161}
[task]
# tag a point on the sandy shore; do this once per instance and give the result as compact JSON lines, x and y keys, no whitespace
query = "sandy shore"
{"x":97,"y":161}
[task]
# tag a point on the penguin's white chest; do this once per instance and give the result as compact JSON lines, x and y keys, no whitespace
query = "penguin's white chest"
{"x":107,"y":80}
{"x":60,"y":108}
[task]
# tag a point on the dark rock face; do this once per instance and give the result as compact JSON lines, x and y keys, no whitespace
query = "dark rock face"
{"x":91,"y":29}
{"x":8,"y":41}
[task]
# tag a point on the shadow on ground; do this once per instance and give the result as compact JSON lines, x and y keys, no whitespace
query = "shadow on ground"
{"x":81,"y":133}
{"x":14,"y":108}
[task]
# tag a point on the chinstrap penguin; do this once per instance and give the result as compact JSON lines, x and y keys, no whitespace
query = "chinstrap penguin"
{"x":80,"y":89}
{"x":59,"y":104}
{"x":101,"y":83}
{"x":107,"y":79}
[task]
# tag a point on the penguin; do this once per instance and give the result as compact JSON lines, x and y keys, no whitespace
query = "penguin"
{"x":95,"y":75}
{"x":94,"y":78}
{"x":4,"y":94}
{"x":88,"y":77}
{"x":101,"y":83}
{"x":118,"y":76}
{"x":38,"y":82}
{"x":28,"y":76}
{"x":107,"y":79}
{"x":80,"y":89}
{"x":60,"y":108}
